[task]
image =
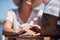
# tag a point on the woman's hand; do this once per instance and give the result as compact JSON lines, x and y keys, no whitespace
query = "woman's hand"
{"x":32,"y":33}
{"x":36,"y":30}
{"x":23,"y":29}
{"x":31,"y":30}
{"x":19,"y":31}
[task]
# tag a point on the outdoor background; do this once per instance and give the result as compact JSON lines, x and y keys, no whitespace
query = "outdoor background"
{"x":5,"y":5}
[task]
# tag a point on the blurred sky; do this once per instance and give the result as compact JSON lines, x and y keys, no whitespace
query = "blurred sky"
{"x":5,"y":5}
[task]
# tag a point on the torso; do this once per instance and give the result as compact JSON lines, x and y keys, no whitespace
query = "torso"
{"x":19,"y":20}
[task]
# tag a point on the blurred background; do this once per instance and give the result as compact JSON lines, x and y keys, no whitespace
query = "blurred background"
{"x":5,"y":5}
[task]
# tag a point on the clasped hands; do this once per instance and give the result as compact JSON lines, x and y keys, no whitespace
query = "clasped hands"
{"x":31,"y":30}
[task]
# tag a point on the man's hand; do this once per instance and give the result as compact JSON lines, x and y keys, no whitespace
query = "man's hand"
{"x":35,"y":28}
{"x":34,"y":31}
{"x":31,"y":30}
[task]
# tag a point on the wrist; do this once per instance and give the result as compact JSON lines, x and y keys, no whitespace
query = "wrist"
{"x":22,"y":31}
{"x":14,"y":32}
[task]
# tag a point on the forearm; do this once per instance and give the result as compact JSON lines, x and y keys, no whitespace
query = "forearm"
{"x":13,"y":32}
{"x":48,"y":24}
{"x":7,"y":28}
{"x":8,"y":32}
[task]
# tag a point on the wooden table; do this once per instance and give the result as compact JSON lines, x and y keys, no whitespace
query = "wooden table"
{"x":28,"y":37}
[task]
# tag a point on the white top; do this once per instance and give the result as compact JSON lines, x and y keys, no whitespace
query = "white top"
{"x":13,"y":16}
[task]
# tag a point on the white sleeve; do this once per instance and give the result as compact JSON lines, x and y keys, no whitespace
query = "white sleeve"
{"x":9,"y":16}
{"x":52,"y":7}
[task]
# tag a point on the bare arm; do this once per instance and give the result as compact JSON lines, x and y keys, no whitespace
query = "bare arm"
{"x":8,"y":30}
{"x":48,"y":24}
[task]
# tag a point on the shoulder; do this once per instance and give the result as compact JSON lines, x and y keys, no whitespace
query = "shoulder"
{"x":11,"y":15}
{"x":11,"y":11}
